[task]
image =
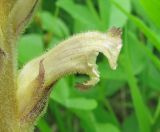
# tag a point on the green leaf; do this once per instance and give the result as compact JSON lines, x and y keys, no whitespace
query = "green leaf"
{"x":140,"y":10}
{"x":117,"y":18}
{"x":104,"y":10}
{"x":113,"y":86}
{"x":107,"y":127}
{"x":152,"y":7}
{"x":92,"y":9}
{"x":141,"y":110}
{"x":130,"y":124}
{"x":144,"y":51}
{"x":29,"y":46}
{"x":81,"y":103}
{"x":53,"y":24}
{"x":103,"y":116}
{"x":61,"y":94}
{"x":152,"y":36}
{"x":153,"y":76}
{"x":137,"y":55}
{"x":76,"y":11}
{"x":108,"y":73}
{"x":43,"y":126}
{"x":53,"y":42}
{"x":88,"y":122}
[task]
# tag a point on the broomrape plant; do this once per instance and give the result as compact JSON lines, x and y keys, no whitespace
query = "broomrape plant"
{"x":23,"y":95}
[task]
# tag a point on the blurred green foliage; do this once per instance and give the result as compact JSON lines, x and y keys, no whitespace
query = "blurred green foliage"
{"x":125,"y":100}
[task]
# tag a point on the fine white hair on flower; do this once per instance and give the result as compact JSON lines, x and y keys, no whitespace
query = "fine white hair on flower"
{"x":75,"y":55}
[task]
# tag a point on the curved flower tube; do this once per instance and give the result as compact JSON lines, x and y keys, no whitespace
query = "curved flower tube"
{"x":23,"y":95}
{"x":76,"y":55}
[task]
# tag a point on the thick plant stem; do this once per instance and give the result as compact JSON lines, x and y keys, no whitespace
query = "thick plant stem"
{"x":8,"y":101}
{"x":12,"y":22}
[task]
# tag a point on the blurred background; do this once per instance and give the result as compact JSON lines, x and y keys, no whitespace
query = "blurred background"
{"x":125,"y":100}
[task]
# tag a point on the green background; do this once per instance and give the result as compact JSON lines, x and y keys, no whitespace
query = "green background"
{"x":125,"y":100}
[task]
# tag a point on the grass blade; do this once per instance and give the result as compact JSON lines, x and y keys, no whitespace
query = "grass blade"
{"x":141,"y":25}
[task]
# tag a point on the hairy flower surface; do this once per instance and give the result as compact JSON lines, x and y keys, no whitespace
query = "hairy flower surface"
{"x":75,"y":55}
{"x":24,"y":93}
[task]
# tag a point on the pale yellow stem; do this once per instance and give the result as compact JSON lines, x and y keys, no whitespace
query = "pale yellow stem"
{"x":14,"y":15}
{"x":8,"y":101}
{"x":5,"y":8}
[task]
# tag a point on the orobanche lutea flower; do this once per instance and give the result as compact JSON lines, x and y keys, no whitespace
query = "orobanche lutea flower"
{"x":24,"y":93}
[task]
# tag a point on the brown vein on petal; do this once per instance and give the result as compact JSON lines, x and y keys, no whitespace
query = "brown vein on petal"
{"x":37,"y":85}
{"x":39,"y":97}
{"x":39,"y":106}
